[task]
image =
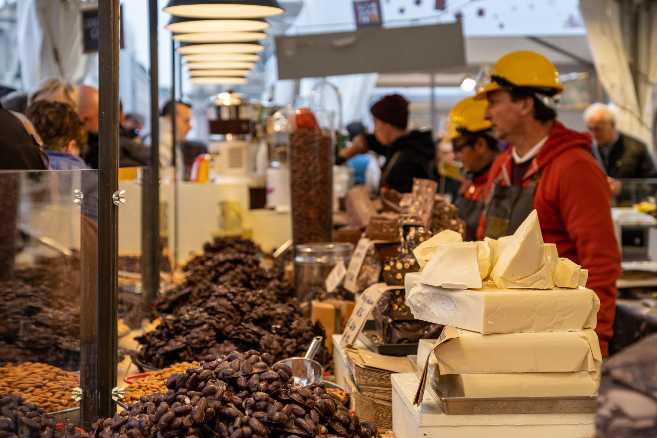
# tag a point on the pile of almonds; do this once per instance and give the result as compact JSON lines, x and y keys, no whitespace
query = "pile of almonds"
{"x":154,"y":382}
{"x":45,"y":386}
{"x":236,"y":396}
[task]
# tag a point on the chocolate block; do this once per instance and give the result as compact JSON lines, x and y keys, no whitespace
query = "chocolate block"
{"x":395,"y":268}
{"x":384,"y":227}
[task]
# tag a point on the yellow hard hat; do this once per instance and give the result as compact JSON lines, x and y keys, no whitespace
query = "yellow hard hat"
{"x":467,"y":115}
{"x":522,"y":68}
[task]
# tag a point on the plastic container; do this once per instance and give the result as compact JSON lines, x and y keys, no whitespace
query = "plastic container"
{"x":311,"y":176}
{"x":313,"y":263}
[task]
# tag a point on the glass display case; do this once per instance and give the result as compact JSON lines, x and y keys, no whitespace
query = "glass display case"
{"x":48,"y":278}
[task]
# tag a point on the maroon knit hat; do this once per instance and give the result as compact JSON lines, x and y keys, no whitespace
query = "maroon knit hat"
{"x":392,"y":109}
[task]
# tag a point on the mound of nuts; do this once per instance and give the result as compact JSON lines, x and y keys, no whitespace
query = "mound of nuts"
{"x":45,"y":386}
{"x":236,"y":396}
{"x":154,"y":382}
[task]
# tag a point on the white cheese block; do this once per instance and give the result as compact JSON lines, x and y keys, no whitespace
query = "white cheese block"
{"x":583,"y":277}
{"x":522,"y":255}
{"x":426,"y":249}
{"x":567,"y":274}
{"x":484,"y":259}
{"x":465,"y":352}
{"x":491,"y":310}
{"x":453,"y":266}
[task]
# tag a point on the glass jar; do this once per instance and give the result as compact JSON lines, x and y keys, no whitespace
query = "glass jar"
{"x":311,"y":176}
{"x":313,"y":263}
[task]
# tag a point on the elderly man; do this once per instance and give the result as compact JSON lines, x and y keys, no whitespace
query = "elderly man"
{"x":620,"y":156}
{"x":549,"y":168}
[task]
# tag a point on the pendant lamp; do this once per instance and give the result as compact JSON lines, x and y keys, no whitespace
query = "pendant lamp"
{"x":192,"y":49}
{"x":223,"y":8}
{"x":219,"y":65}
{"x":218,"y":73}
{"x":222,"y":57}
{"x":220,"y":37}
{"x":218,"y":81}
{"x":192,"y":25}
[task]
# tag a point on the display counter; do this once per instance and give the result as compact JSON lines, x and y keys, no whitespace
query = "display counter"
{"x":427,"y":419}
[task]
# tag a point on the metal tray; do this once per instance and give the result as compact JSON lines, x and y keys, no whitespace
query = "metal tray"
{"x":451,"y":399}
{"x":492,"y":406}
{"x":373,"y":341}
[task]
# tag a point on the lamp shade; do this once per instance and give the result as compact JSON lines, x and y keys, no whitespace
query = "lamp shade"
{"x":219,"y":37}
{"x":219,"y":65}
{"x":222,"y":57}
{"x":223,"y":8}
{"x":192,"y":49}
{"x":191,"y":25}
{"x":218,"y":73}
{"x":218,"y":81}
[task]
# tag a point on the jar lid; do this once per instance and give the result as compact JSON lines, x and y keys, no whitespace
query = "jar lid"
{"x":329,"y":252}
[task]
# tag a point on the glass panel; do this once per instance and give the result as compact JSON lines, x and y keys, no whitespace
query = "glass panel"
{"x":635,"y":191}
{"x":130,"y":250}
{"x":48,"y":283}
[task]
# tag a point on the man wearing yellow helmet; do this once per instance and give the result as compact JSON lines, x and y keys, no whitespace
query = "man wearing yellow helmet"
{"x":551,"y":169}
{"x":475,"y":147}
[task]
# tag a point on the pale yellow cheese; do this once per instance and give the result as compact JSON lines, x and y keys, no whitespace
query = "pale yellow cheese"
{"x":465,"y":352}
{"x":567,"y":274}
{"x":492,"y":310}
{"x":426,"y":249}
{"x":522,"y":256}
{"x":453,"y":266}
{"x":583,"y":277}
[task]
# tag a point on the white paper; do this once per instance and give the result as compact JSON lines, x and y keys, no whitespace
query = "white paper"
{"x":355,"y":264}
{"x":335,"y":277}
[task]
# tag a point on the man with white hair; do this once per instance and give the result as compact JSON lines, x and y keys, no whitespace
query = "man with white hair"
{"x":621,"y":156}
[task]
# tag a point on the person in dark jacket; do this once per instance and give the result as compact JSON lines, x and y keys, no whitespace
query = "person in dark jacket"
{"x":621,"y":156}
{"x":408,"y":154}
{"x":19,"y":150}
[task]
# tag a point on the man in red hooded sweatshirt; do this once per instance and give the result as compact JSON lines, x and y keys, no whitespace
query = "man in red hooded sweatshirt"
{"x":549,"y":168}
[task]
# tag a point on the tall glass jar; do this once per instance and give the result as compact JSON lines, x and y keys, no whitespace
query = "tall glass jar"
{"x":311,"y":176}
{"x":313,"y":263}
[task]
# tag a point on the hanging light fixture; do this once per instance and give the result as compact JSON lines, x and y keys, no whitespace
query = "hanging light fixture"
{"x":192,"y":25}
{"x":219,"y":65}
{"x":218,"y":73}
{"x":224,"y":8}
{"x":218,"y":81}
{"x":222,"y":57}
{"x":220,"y":37}
{"x":193,"y":49}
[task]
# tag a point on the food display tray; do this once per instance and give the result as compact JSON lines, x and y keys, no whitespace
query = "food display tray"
{"x":373,"y":341}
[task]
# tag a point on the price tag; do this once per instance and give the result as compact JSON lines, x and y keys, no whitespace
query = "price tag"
{"x":335,"y":277}
{"x":368,"y":300}
{"x":357,"y":259}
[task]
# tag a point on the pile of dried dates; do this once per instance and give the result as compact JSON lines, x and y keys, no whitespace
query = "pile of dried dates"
{"x":236,"y":396}
{"x":20,"y":419}
{"x":221,"y":319}
{"x":228,"y":302}
{"x":36,"y":326}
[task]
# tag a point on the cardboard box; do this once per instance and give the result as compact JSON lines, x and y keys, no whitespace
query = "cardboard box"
{"x":332,"y":315}
{"x":464,"y":352}
{"x":489,"y":310}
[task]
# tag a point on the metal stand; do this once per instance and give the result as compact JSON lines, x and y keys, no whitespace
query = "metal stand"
{"x":150,"y":225}
{"x":98,"y":373}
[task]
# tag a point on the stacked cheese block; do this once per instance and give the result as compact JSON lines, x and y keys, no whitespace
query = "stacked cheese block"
{"x":518,"y":320}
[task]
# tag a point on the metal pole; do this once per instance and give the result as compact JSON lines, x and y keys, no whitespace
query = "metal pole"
{"x":106,"y":309}
{"x":434,"y":113}
{"x":150,"y":225}
{"x":174,"y":155}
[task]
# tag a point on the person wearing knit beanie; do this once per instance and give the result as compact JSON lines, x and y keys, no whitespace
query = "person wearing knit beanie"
{"x":408,"y":154}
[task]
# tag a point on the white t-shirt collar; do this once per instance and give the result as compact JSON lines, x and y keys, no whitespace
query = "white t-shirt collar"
{"x":530,"y":154}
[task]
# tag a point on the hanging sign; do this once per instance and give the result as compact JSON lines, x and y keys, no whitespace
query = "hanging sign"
{"x":368,"y":13}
